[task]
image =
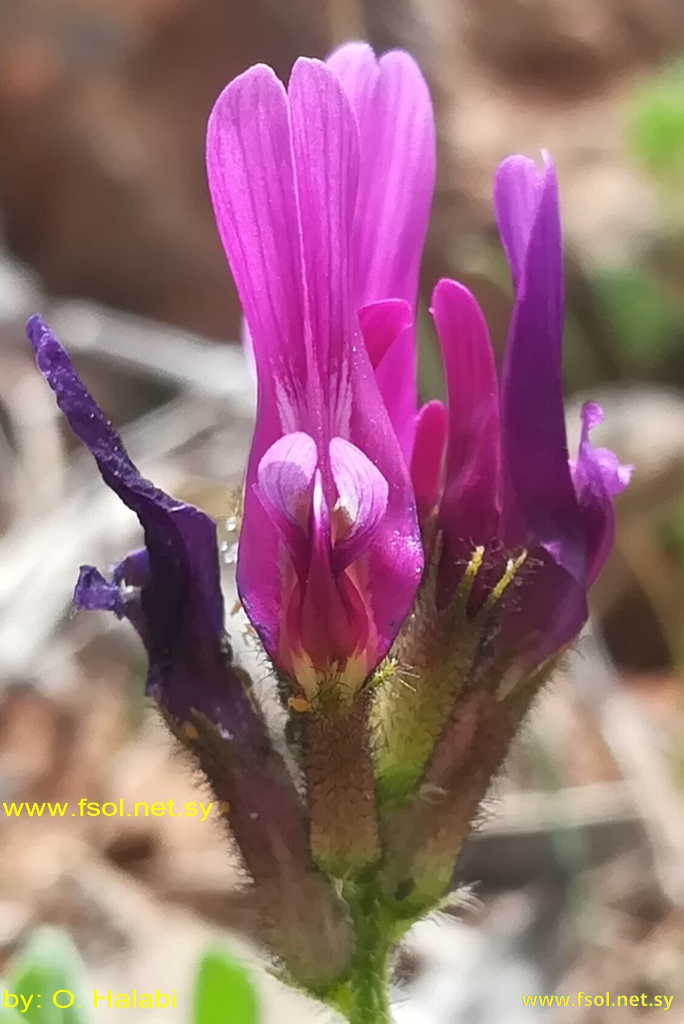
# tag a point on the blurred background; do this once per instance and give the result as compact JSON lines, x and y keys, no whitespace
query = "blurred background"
{"x":576,"y":874}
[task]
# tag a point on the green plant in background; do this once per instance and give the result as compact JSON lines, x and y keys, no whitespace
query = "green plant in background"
{"x":642,"y":306}
{"x":642,"y":314}
{"x":640,"y":302}
{"x":47,"y":984}
{"x":223,"y":991}
{"x":656,"y":125}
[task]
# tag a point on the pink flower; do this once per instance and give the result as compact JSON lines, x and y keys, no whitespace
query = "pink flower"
{"x":321,"y":194}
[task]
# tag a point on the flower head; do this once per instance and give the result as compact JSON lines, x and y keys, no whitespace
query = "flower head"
{"x":170,"y":591}
{"x":515,"y":509}
{"x":323,"y":240}
{"x":517,"y":532}
{"x":321,"y":193}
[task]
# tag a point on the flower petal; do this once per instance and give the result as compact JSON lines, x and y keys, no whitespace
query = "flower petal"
{"x":598,"y":476}
{"x":250,"y":167}
{"x":330,"y":627}
{"x":387,"y":328}
{"x":325,"y":143}
{"x":326,"y":154}
{"x":545,"y":610}
{"x":285,"y":488}
{"x":428,"y":459}
{"x":535,"y":455}
{"x":396,"y":184}
{"x":396,"y":124}
{"x":471,"y":494}
{"x":284,"y":186}
{"x":362,"y":501}
{"x":252,"y":185}
{"x":96,"y":594}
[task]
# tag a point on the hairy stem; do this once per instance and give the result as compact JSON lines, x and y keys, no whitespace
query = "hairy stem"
{"x":367,"y":990}
{"x":340,"y":789}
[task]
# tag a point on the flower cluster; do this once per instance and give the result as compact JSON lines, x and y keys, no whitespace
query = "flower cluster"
{"x":413,"y":574}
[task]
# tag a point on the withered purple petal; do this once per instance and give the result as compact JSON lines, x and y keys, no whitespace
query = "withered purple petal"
{"x":95,"y":593}
{"x":179,"y":611}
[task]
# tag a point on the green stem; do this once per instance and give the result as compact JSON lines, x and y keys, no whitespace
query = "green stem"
{"x":367,"y":990}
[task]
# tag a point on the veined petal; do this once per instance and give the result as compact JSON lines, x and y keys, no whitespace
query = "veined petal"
{"x":396,"y":184}
{"x":396,"y":124}
{"x":517,"y":192}
{"x":283,"y":171}
{"x":250,"y":166}
{"x":326,"y":155}
{"x":394,"y":559}
{"x":471,"y":494}
{"x":598,"y":476}
{"x":326,"y":149}
{"x":535,"y":455}
{"x":361,"y":505}
{"x":357,"y":68}
{"x":252,"y":184}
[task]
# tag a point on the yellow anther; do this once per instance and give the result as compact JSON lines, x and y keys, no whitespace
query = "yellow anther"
{"x":299,"y":704}
{"x":223,"y":807}
{"x":512,"y":567}
{"x":385,"y":670}
{"x":470,"y":575}
{"x":190,"y":731}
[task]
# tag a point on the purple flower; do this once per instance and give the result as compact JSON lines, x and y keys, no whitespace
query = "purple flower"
{"x":544,"y":522}
{"x":171,"y":592}
{"x":321,"y":195}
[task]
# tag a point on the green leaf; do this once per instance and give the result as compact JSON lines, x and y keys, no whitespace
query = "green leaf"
{"x":50,"y":970}
{"x":224,"y":991}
